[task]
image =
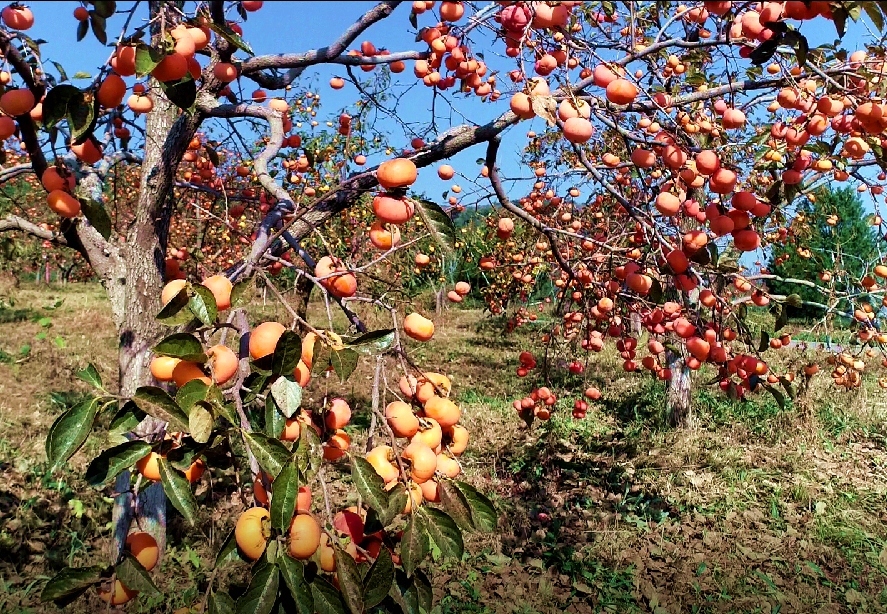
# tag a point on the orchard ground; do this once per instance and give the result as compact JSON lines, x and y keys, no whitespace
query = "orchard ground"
{"x":755,"y":509}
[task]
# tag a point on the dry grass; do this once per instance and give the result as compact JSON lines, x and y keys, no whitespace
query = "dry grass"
{"x":755,"y":509}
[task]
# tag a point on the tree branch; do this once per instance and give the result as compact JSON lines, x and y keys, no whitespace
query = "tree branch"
{"x":16,"y":223}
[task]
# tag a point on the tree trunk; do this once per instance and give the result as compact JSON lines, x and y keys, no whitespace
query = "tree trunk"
{"x":677,"y":397}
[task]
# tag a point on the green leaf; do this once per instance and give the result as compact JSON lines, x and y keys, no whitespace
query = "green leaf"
{"x":370,"y":486}
{"x":134,"y":576}
{"x":231,"y":36}
{"x":105,"y":467}
{"x":213,"y":155}
{"x":293,"y":573}
{"x":412,"y":594}
{"x":239,"y":294}
{"x":81,"y":116}
{"x":192,"y":392}
{"x":443,"y":531}
{"x":288,"y":396}
{"x":98,"y":27}
{"x":344,"y":362}
{"x":423,"y":589}
{"x":794,"y":300}
{"x":80,"y":74}
{"x":183,"y":93}
{"x":286,"y":354}
{"x":874,"y":13}
{"x":414,"y":545}
{"x":483,"y":514}
{"x":203,"y":305}
{"x":97,"y":216}
{"x":82,"y":30}
{"x":259,"y":598}
{"x":455,"y":504}
{"x":274,"y":420}
{"x":781,"y":319}
{"x":438,"y":224}
{"x":228,"y":412}
{"x":90,"y":375}
{"x":147,"y":59}
{"x":787,"y":386}
{"x":375,"y":342}
{"x":378,"y":580}
{"x":69,"y":432}
{"x":174,"y":312}
{"x":106,"y":9}
{"x":284,"y":493}
{"x":156,"y":402}
{"x":178,"y":490}
{"x":220,"y":603}
{"x":765,"y":341}
{"x":55,"y":105}
{"x":271,"y":454}
{"x":414,"y":20}
{"x":350,"y":581}
{"x":309,"y":453}
{"x":839,"y":16}
{"x":229,"y":552}
{"x":777,"y":395}
{"x":71,"y":581}
{"x":127,"y":418}
{"x":200,"y":422}
{"x":181,"y":345}
{"x":327,"y":599}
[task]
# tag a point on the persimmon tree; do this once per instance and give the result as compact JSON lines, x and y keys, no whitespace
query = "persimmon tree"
{"x":669,"y":140}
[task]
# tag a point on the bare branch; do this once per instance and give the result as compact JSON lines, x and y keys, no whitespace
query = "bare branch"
{"x":16,"y":223}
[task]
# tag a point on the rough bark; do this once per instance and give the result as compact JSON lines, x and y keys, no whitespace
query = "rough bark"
{"x":677,"y":397}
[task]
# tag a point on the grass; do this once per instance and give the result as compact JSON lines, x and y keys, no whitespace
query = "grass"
{"x":757,"y":508}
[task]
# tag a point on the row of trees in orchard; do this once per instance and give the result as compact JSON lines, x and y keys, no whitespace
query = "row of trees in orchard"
{"x":659,"y":142}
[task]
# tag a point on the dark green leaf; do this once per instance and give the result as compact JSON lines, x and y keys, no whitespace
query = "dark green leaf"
{"x":271,"y":454}
{"x":423,"y":590}
{"x":438,"y":224}
{"x":231,"y":36}
{"x":213,"y":155}
{"x":239,"y":294}
{"x":228,"y":412}
{"x":259,"y":598}
{"x":97,"y":216}
{"x":327,"y":599}
{"x":55,"y":105}
{"x":178,"y":490}
{"x":787,"y":386}
{"x":443,"y":531}
{"x":156,"y":402}
{"x":777,"y":395}
{"x":344,"y":362}
{"x":134,"y":576}
{"x":655,"y":294}
{"x":90,"y":375}
{"x":105,"y":467}
{"x":147,"y":59}
{"x":414,"y":545}
{"x":455,"y":504}
{"x":293,"y":573}
{"x":200,"y":422}
{"x":874,"y":12}
{"x":309,"y":453}
{"x":839,"y":16}
{"x":374,"y":342}
{"x":127,"y":418}
{"x":69,"y":432}
{"x":183,"y":93}
{"x":71,"y":581}
{"x":794,"y":300}
{"x":765,"y":341}
{"x":229,"y":551}
{"x":781,"y":319}
{"x":414,"y":20}
{"x":174,"y":312}
{"x":378,"y":580}
{"x":763,"y":52}
{"x":397,"y":501}
{"x":105,"y":8}
{"x":82,"y":30}
{"x":203,"y":304}
{"x":350,"y":581}
{"x":81,"y":115}
{"x":369,"y":485}
{"x":98,"y":27}
{"x":286,"y":354}
{"x":220,"y":603}
{"x":483,"y":514}
{"x":181,"y":345}
{"x":255,"y":383}
{"x":287,"y":395}
{"x":284,"y":493}
{"x":274,"y":420}
{"x":192,"y":392}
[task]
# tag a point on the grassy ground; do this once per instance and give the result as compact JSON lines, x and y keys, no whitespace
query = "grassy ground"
{"x":756,"y":509}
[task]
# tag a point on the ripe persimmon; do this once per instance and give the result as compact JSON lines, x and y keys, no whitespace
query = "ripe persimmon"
{"x":17,"y":101}
{"x":252,"y":532}
{"x":263,"y":339}
{"x":621,"y":91}
{"x":443,"y":410}
{"x":382,"y":237}
{"x":397,"y":173}
{"x":223,"y":363}
{"x":144,"y":548}
{"x":118,"y":595}
{"x":162,"y":367}
{"x":338,"y":415}
{"x":186,"y":371}
{"x":423,"y":461}
{"x":53,"y":180}
{"x":392,"y":210}
{"x":418,"y":327}
{"x":172,"y":67}
{"x":221,"y":288}
{"x":111,"y":91}
{"x":149,"y":467}
{"x":304,"y":536}
{"x":401,"y":419}
{"x":63,"y":203}
{"x":17,"y":16}
{"x":381,"y":458}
